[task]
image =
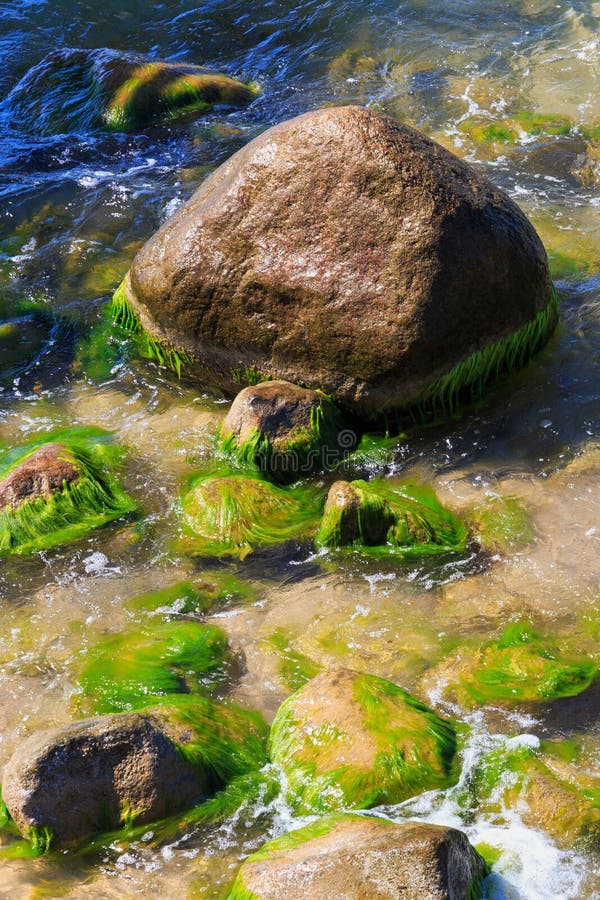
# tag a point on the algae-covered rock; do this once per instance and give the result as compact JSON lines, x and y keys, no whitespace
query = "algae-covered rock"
{"x":57,"y":490}
{"x":65,"y":785}
{"x":501,"y":524}
{"x":284,"y":430}
{"x":348,"y":739}
{"x":357,"y":857}
{"x":521,"y":666}
{"x":347,"y":252}
{"x":548,"y":792}
{"x":521,"y":126}
{"x":127,"y":670}
{"x":406,"y":519}
{"x":211,"y":589}
{"x":234,"y":515}
{"x":73,"y":89}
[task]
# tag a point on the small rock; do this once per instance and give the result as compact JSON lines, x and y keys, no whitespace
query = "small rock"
{"x":43,"y":473}
{"x":285,"y":430}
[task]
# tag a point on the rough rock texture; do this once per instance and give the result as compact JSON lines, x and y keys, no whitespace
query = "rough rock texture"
{"x":355,"y":858}
{"x":344,"y":251}
{"x":349,"y":739}
{"x":40,"y":475}
{"x":96,"y":774}
{"x":286,"y":430}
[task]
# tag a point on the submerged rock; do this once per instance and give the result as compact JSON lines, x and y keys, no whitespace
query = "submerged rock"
{"x":521,"y":666}
{"x":101,"y":774}
{"x":233,"y":515}
{"x":346,"y":252}
{"x":55,"y":492}
{"x":357,"y":857}
{"x":71,"y":89}
{"x":284,"y":430}
{"x":406,"y":519}
{"x":348,"y":739}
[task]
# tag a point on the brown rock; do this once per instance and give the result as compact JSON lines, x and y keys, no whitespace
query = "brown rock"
{"x":43,"y":473}
{"x":344,"y":251}
{"x":353,"y":514}
{"x":286,"y":430}
{"x":93,"y":775}
{"x":356,"y":858}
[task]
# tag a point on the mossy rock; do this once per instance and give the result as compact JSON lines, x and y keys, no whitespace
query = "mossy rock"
{"x":501,"y":524}
{"x":548,"y":792}
{"x":194,"y":596}
{"x":58,"y":488}
{"x":234,"y":515}
{"x":357,"y":857}
{"x":348,"y":739}
{"x":521,"y":666}
{"x":284,"y":431}
{"x":126,"y":670}
{"x":62,"y":787}
{"x":511,"y":130}
{"x":404,"y":519}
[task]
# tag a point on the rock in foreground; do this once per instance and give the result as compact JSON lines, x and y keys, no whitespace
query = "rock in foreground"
{"x":345,"y":251}
{"x":284,"y":430}
{"x":348,"y":739}
{"x":355,"y":857}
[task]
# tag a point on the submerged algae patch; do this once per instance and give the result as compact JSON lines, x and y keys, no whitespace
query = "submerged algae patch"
{"x":93,"y":498}
{"x":521,"y":666}
{"x":234,"y":515}
{"x":348,"y":739}
{"x":404,"y":519}
{"x":502,"y":523}
{"x":127,"y":670}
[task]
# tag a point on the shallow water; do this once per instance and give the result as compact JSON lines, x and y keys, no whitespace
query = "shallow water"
{"x":75,"y":206}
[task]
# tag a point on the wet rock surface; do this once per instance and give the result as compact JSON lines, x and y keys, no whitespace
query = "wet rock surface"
{"x":360,"y":258}
{"x":358,"y":857}
{"x":94,"y":775}
{"x":43,"y":473}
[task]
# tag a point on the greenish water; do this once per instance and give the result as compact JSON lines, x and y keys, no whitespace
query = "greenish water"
{"x":512,"y":87}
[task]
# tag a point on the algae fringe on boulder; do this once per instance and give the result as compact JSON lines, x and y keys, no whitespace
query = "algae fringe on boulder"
{"x":93,"y":499}
{"x":470,"y":377}
{"x":463,"y":385}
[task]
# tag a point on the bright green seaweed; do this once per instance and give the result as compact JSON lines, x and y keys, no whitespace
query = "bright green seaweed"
{"x":128,"y":669}
{"x":92,"y":500}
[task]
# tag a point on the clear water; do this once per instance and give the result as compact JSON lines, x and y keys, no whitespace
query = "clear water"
{"x":76,"y":204}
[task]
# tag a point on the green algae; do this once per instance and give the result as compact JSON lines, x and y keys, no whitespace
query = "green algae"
{"x":232,"y":515}
{"x":249,"y":375}
{"x":382,"y":747}
{"x":126,"y":670}
{"x":521,"y":666}
{"x":501,"y":524}
{"x":408,"y":517}
{"x":515,"y":128}
{"x":92,"y":500}
{"x":123,"y":315}
{"x":467,"y":381}
{"x":152,"y":94}
{"x":295,"y":668}
{"x":195,"y":596}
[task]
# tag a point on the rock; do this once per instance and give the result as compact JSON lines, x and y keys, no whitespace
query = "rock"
{"x":353,"y":514}
{"x":56,"y":492}
{"x":100,"y":774}
{"x":405,"y":519}
{"x":284,"y":430}
{"x":520,"y":666}
{"x":72,"y":89}
{"x":346,"y":252}
{"x":43,"y":473}
{"x":587,"y":166}
{"x":348,"y":739}
{"x":234,"y":515}
{"x":356,"y":857}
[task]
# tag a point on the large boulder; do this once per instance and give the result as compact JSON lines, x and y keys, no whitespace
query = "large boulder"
{"x":284,"y":430}
{"x":345,"y":251}
{"x":100,"y":774}
{"x":356,"y":857}
{"x":348,"y":739}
